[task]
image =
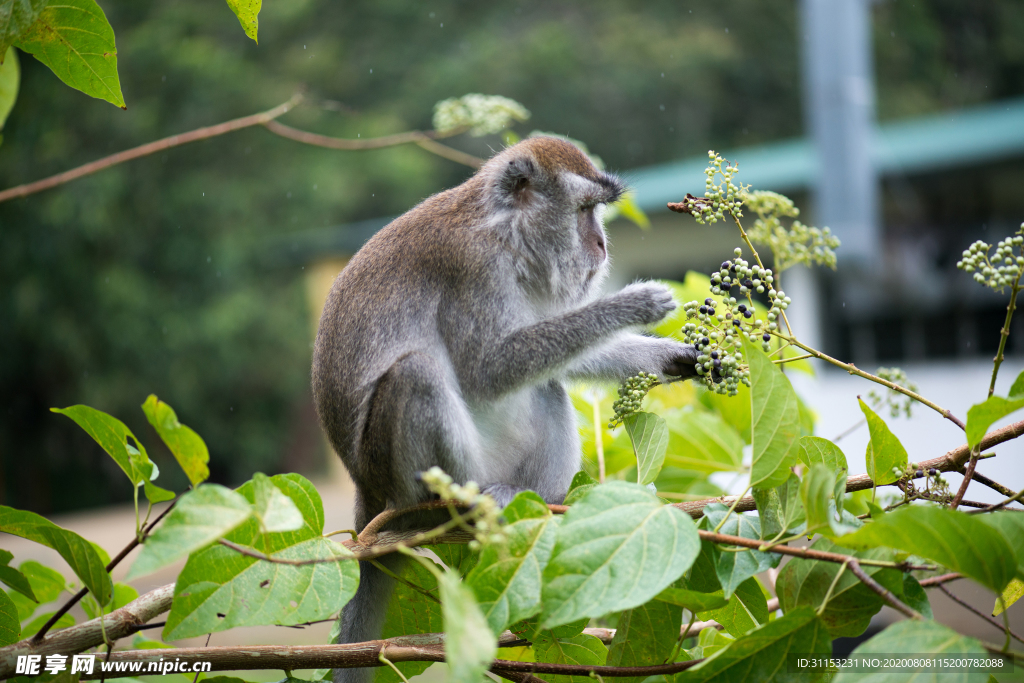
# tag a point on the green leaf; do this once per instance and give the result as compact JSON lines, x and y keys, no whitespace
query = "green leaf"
{"x":733,"y":568}
{"x":692,"y":600}
{"x":885,"y":451}
{"x":201,"y":516}
{"x":411,"y":612}
{"x":10,"y":624}
{"x":247,"y":12}
{"x":16,"y":16}
{"x":617,"y":530}
{"x":747,"y":609}
{"x":469,"y":645}
{"x":14,"y":578}
{"x":76,"y":551}
{"x":113,"y":435}
{"x":457,"y":556}
{"x":805,"y":583}
{"x":762,"y":654}
{"x":916,"y":636}
{"x":644,"y":635}
{"x":818,"y":493}
{"x":703,"y":442}
{"x":775,"y":421}
{"x":735,"y":410}
{"x":185,"y":445}
{"x":981,"y":416}
{"x":962,"y":542}
{"x":569,"y":645}
{"x":10,"y":78}
{"x":581,"y":484}
{"x":250,"y":592}
{"x":779,"y":508}
{"x":1011,"y":594}
{"x":507,"y":578}
{"x":47,"y":585}
{"x":915,"y":597}
{"x":627,"y":207}
{"x":272,"y":507}
{"x":649,"y":437}
{"x":74,"y":39}
{"x":816,"y":450}
{"x":1012,"y":529}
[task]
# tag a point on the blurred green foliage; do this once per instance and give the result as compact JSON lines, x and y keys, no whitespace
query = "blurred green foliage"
{"x":181,"y":273}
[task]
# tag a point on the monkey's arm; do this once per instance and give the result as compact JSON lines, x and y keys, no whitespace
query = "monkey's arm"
{"x":549,"y":346}
{"x":626,"y":354}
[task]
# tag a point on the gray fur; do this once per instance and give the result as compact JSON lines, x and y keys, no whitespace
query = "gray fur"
{"x":447,"y":340}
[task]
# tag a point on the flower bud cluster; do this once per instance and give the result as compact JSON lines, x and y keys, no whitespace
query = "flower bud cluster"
{"x":631,"y":395}
{"x":721,"y":195}
{"x":1005,"y":266}
{"x":486,"y":523}
{"x":481,"y":114}
{"x":790,"y":246}
{"x":893,"y":400}
{"x":738,"y":273}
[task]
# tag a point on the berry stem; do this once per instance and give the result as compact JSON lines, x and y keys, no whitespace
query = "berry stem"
{"x":732,"y":508}
{"x":780,"y":361}
{"x":757,"y":257}
{"x":1004,"y":333}
{"x":854,"y":370}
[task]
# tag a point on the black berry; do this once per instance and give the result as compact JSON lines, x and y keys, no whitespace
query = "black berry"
{"x":726,"y":264}
{"x":703,"y":309}
{"x":736,"y":322}
{"x":705,"y":341}
{"x":747,"y":314}
{"x":766,"y":337}
{"x":717,"y":363}
{"x":748,"y":283}
{"x":714,"y":355}
{"x":742,"y":307}
{"x":709,"y":301}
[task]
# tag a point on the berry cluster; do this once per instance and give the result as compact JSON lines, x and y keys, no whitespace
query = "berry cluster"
{"x":893,"y":400}
{"x":485,"y":512}
{"x":790,"y":246}
{"x":631,"y":395}
{"x":1003,"y":269}
{"x":739,"y":273}
{"x":721,"y":195}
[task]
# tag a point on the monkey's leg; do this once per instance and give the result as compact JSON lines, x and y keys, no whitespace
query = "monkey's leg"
{"x":363,"y":617}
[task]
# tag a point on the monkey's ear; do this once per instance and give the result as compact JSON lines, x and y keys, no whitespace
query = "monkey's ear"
{"x":517,"y":177}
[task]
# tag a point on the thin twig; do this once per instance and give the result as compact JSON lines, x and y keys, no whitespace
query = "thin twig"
{"x":883,"y":592}
{"x":150,"y":148}
{"x":939,"y":580}
{"x":851,"y":430}
{"x":992,"y":484}
{"x":38,"y":637}
{"x":1000,"y":505}
{"x":971,"y":608}
{"x":781,"y":361}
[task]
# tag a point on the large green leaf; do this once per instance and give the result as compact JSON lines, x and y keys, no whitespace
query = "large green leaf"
{"x":816,"y":450}
{"x":569,"y":645}
{"x":13,"y":578}
{"x":113,"y":435}
{"x":805,"y":583}
{"x":747,"y":609}
{"x":469,"y":645}
{"x":47,"y":585}
{"x":10,"y":78}
{"x":1011,"y":594}
{"x":250,"y":592}
{"x":961,"y":542}
{"x":15,"y":18}
{"x":885,"y":451}
{"x":733,"y":568}
{"x":507,"y":578}
{"x":915,"y":596}
{"x":615,"y":549}
{"x":185,"y":445}
{"x":703,"y":442}
{"x":913,"y":637}
{"x":735,"y":410}
{"x":74,"y":39}
{"x":201,"y":517}
{"x":1012,"y":529}
{"x":775,"y":421}
{"x":649,"y":437}
{"x":10,"y":625}
{"x":680,"y":594}
{"x":762,"y":655}
{"x":247,"y":12}
{"x":76,"y":551}
{"x":410,"y":612}
{"x":645,"y":635}
{"x":581,"y":484}
{"x":459,"y":557}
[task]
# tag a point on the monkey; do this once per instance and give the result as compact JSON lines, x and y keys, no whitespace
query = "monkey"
{"x":449,"y":336}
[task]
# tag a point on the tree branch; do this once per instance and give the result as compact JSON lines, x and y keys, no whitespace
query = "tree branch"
{"x":150,"y":148}
{"x":884,"y":592}
{"x":939,"y":580}
{"x":969,"y":607}
{"x":952,"y":461}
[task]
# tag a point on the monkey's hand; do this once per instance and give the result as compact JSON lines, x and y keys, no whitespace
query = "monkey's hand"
{"x":645,"y":302}
{"x":680,"y":363}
